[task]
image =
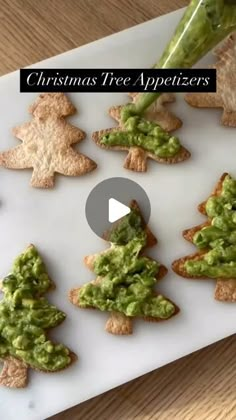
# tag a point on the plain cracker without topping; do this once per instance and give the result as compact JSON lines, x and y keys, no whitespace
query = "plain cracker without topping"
{"x":117,"y":322}
{"x":225,"y":97}
{"x":136,"y":159}
{"x":47,"y":142}
{"x":225,"y":289}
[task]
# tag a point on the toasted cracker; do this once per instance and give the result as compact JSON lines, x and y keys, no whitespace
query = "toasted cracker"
{"x":151,"y":240}
{"x":153,"y":319}
{"x":225,"y":288}
{"x":156,"y":112}
{"x":47,"y":143}
{"x":118,"y":323}
{"x":73,"y":358}
{"x":137,"y":157}
{"x":178,"y":265}
{"x":188,"y":234}
{"x":225,"y":97}
{"x":204,"y":100}
{"x":217,"y":191}
{"x":14,"y":373}
{"x":73,"y":295}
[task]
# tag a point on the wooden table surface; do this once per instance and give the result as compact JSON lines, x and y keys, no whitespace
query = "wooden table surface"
{"x":201,"y":386}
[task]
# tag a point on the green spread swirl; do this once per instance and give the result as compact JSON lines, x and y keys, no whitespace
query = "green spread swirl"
{"x":25,"y":315}
{"x":145,"y":134}
{"x":218,"y":239}
{"x":126,"y":278}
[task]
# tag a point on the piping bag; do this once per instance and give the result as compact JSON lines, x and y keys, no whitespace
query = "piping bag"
{"x":204,"y":24}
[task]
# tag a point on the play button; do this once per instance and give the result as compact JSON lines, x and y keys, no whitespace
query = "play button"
{"x":109,"y":201}
{"x":116,"y":210}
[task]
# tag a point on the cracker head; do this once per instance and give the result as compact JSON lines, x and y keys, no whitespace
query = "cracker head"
{"x":52,"y":104}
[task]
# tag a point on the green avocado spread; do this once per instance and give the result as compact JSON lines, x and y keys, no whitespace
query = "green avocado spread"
{"x":146,"y":135}
{"x":126,"y":278}
{"x":128,"y":228}
{"x":25,"y":315}
{"x":219,"y":238}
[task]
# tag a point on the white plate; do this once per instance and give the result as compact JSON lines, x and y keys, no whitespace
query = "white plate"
{"x":55,"y":222}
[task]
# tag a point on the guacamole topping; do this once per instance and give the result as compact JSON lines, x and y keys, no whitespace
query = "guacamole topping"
{"x":25,"y":315}
{"x":204,"y":24}
{"x":128,"y":228}
{"x":219,"y":239}
{"x":145,"y":134}
{"x":127,"y":279}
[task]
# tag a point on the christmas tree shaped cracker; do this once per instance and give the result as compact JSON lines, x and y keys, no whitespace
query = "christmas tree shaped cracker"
{"x":25,"y":318}
{"x":145,"y":136}
{"x":225,"y":97}
{"x":125,"y":278}
{"x":216,"y":242}
{"x":157,"y":112}
{"x":47,"y":142}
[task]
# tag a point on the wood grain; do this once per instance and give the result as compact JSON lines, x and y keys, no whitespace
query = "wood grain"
{"x":32,"y":30}
{"x":201,"y":386}
{"x":198,"y":387}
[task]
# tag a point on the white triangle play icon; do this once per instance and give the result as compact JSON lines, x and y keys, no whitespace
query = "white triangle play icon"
{"x":116,"y":210}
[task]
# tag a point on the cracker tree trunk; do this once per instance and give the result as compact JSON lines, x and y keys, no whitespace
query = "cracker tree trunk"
{"x":136,"y":160}
{"x":14,"y":373}
{"x":42,"y":179}
{"x":225,"y":290}
{"x":119,"y":324}
{"x":229,"y":118}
